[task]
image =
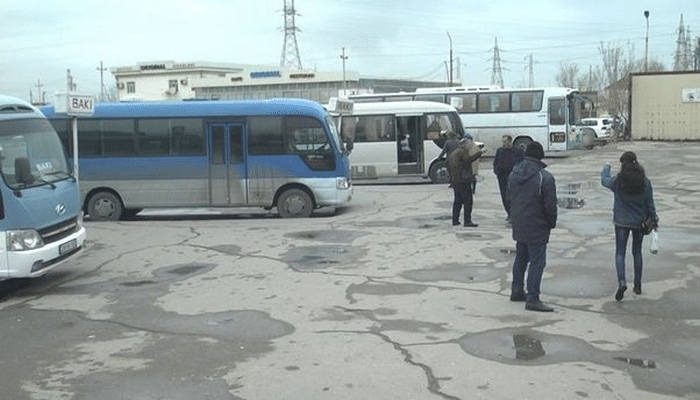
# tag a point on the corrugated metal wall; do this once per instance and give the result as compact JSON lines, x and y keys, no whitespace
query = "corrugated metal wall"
{"x":665,"y":106}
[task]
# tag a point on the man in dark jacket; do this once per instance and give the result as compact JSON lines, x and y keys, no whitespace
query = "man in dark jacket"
{"x":532,"y":200}
{"x":459,"y":166}
{"x":505,"y":159}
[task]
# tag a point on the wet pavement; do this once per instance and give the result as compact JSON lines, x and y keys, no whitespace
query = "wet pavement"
{"x":383,"y":300}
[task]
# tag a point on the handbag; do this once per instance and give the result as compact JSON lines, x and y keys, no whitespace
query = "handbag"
{"x":650,"y":224}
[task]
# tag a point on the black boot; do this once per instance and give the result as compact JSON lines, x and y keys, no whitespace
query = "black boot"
{"x":620,"y":292}
{"x":534,"y":304}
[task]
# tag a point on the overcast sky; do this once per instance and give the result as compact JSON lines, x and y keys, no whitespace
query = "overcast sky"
{"x":40,"y":40}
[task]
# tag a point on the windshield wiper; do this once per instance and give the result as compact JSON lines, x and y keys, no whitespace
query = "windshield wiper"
{"x":44,"y":181}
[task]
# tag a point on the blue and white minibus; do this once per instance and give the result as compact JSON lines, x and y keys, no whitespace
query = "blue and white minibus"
{"x":283,"y":153}
{"x":41,"y":221}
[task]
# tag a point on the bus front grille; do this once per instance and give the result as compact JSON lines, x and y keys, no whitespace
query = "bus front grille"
{"x":57,"y":232}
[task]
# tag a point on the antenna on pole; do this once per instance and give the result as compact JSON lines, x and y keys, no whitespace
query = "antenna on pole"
{"x":290,"y":49}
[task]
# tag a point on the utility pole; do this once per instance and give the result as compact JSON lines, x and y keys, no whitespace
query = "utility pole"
{"x":531,"y":71}
{"x":102,"y":82}
{"x":39,"y":86}
{"x":344,"y":57}
{"x":451,"y":68}
{"x":70,"y":86}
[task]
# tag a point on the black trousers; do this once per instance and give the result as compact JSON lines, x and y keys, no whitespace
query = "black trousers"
{"x":463,"y":198}
{"x":503,"y":187}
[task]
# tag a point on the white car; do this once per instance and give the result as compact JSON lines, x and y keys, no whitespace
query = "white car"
{"x":601,"y":126}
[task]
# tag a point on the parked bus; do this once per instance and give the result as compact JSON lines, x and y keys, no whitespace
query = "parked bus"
{"x":279,"y":153}
{"x":551,"y":115}
{"x":40,"y":218}
{"x":393,"y":139}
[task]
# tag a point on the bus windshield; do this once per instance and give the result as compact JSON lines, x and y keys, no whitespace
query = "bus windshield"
{"x":30,"y":153}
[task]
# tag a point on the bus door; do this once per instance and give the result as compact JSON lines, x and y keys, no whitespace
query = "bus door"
{"x":409,"y":144}
{"x":557,"y":124}
{"x":227,"y":176}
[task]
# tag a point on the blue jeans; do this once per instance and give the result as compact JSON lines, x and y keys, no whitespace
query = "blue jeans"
{"x":534,"y":254}
{"x":621,"y":236}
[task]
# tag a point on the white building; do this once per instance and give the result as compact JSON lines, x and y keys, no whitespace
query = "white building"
{"x":169,"y":80}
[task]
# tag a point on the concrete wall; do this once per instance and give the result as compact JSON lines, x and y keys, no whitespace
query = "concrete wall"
{"x":665,"y":106}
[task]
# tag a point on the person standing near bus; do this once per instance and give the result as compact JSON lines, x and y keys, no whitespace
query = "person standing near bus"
{"x":532,"y":200}
{"x":459,"y":166}
{"x":451,"y":143}
{"x":633,"y":205}
{"x":505,"y":159}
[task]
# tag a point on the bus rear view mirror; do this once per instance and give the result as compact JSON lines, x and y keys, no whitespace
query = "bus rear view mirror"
{"x":23,"y":173}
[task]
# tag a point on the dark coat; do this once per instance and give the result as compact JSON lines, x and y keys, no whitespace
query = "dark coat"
{"x":459,"y":164}
{"x":532,"y":198}
{"x":505,"y":160}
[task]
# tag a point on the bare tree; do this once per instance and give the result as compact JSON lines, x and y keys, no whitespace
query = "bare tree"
{"x":568,"y":75}
{"x":616,"y":70}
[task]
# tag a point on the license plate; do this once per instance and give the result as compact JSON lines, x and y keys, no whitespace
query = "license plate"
{"x":67,"y":247}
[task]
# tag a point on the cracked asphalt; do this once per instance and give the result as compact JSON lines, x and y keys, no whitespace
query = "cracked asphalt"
{"x":382,"y":300}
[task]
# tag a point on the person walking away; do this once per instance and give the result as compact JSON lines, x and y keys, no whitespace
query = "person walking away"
{"x":633,"y":205}
{"x":531,"y":197}
{"x":473,"y":149}
{"x":459,"y":164}
{"x":505,"y":159}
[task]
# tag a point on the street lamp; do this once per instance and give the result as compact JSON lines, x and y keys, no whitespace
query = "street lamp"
{"x":646,"y":43}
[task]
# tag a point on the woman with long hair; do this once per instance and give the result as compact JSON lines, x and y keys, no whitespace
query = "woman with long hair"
{"x":633,"y":205}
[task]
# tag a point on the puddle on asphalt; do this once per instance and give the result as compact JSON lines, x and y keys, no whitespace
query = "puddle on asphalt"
{"x":571,"y":202}
{"x":137,"y":283}
{"x":568,"y":195}
{"x":638,"y":362}
{"x":310,"y":258}
{"x":676,"y":374}
{"x":527,"y":348}
{"x":186,"y":270}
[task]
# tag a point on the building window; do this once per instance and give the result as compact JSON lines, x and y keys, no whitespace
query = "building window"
{"x":172,"y":86}
{"x":131,"y":87}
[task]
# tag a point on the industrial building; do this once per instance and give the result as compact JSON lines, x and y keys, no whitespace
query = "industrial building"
{"x":170,"y":80}
{"x":665,"y":105}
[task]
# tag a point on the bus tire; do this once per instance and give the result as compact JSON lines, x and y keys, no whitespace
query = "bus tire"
{"x":522,"y":142}
{"x":295,"y":203}
{"x":438,"y":172}
{"x":105,"y":206}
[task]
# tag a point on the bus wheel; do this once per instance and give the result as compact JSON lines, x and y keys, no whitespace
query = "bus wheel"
{"x":295,"y":203}
{"x":104,"y":206}
{"x":522,"y":142}
{"x":438,"y":172}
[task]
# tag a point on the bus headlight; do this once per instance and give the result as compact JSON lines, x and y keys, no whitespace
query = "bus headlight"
{"x":342,"y":183}
{"x":24,"y":240}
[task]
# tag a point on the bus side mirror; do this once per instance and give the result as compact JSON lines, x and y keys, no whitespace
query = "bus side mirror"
{"x":23,"y":173}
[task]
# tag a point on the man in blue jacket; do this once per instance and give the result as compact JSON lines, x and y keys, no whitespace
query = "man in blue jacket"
{"x":532,"y":201}
{"x":505,"y":159}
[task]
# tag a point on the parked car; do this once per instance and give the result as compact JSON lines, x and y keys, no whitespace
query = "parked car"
{"x":601,"y":126}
